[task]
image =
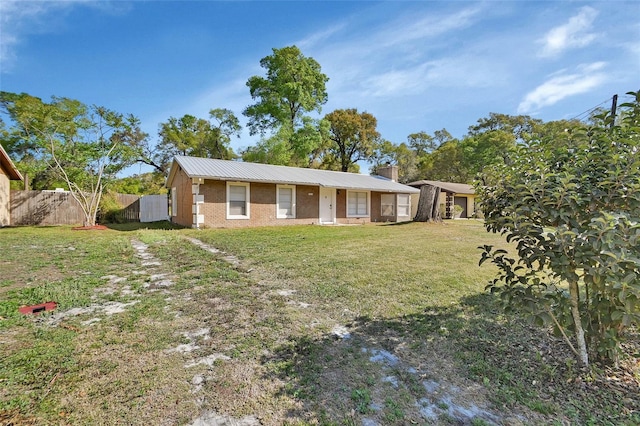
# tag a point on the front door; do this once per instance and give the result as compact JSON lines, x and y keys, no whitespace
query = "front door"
{"x":462,"y":202}
{"x":327,"y":205}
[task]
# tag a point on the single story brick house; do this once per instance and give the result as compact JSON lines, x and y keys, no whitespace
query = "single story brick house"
{"x":220,"y":193}
{"x":453,"y":194}
{"x":8,"y":172}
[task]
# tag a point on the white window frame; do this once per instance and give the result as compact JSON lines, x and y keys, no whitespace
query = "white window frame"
{"x":247,"y":194}
{"x":404,"y":205}
{"x":392,"y":203}
{"x":293,"y":202}
{"x":368,"y":195}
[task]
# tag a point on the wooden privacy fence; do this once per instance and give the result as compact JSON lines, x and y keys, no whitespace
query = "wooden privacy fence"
{"x":130,"y":208}
{"x":60,"y":208}
{"x":45,"y":208}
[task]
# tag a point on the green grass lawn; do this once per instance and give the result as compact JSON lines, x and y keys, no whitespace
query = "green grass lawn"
{"x":196,"y":333}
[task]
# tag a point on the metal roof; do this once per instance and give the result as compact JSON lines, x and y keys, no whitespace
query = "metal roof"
{"x":208,"y":168}
{"x":457,"y":188}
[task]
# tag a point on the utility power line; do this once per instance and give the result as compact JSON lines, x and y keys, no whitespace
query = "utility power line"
{"x":586,"y":113}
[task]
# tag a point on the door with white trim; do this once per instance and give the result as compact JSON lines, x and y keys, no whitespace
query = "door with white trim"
{"x":327,"y":205}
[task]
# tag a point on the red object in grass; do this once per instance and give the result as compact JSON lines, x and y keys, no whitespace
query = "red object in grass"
{"x":35,"y":309}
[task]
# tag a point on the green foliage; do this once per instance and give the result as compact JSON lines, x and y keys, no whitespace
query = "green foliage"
{"x":490,"y":142}
{"x":519,"y":126}
{"x":294,"y":85}
{"x":447,"y":163}
{"x":401,"y":155}
{"x":354,"y":137}
{"x":272,"y":150}
{"x":144,"y":184}
{"x":301,"y":147}
{"x":422,"y":143}
{"x":23,"y":146}
{"x":197,"y":137}
{"x":362,"y":399}
{"x":109,"y":208}
{"x":571,"y":204}
{"x":85,"y":147}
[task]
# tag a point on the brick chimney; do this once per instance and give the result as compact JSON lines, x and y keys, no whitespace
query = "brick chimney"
{"x":389,"y":171}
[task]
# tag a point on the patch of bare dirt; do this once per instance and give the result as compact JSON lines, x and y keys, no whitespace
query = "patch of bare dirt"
{"x":24,"y":276}
{"x":90,"y":228}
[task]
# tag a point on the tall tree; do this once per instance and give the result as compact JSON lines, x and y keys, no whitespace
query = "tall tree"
{"x":302,"y":147}
{"x":87,"y":146}
{"x":354,"y":137}
{"x":294,"y":85}
{"x":401,"y":156}
{"x":272,"y":150}
{"x":422,"y":143}
{"x":198,"y":137}
{"x":24,"y":147}
{"x":571,"y":203}
{"x":485,"y":149}
{"x":447,"y":164}
{"x":424,"y":146}
{"x":520,"y":126}
{"x":223,"y":125}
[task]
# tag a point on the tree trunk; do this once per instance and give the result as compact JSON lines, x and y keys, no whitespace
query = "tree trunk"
{"x":575,"y":312}
{"x":428,"y":205}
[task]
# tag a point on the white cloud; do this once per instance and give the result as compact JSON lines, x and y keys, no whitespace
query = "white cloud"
{"x":463,"y":71}
{"x":562,"y":85}
{"x":13,"y":15}
{"x":397,"y":82}
{"x":633,"y":44}
{"x":395,"y":58}
{"x":410,"y":29}
{"x":574,"y":34}
{"x":320,"y":37}
{"x":19,"y":19}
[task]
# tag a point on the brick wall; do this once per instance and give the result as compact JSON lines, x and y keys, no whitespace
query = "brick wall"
{"x":262,"y":209}
{"x":262,"y":205}
{"x":308,"y":203}
{"x":376,"y":208}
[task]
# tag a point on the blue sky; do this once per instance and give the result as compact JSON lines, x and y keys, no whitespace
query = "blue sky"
{"x":415,"y":65}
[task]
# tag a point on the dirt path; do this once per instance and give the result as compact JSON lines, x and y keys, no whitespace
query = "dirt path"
{"x":253,"y":349}
{"x":427,"y":395}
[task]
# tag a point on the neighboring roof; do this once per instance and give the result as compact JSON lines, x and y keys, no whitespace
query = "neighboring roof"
{"x":8,"y":165}
{"x":457,"y":188}
{"x":208,"y":168}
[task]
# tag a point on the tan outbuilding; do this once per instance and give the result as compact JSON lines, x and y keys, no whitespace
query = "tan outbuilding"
{"x":8,"y":172}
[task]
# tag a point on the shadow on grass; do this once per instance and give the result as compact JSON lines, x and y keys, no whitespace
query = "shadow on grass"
{"x":431,"y":222}
{"x":135,"y":226}
{"x":433,"y":366}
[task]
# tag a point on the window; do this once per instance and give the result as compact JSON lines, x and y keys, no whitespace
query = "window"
{"x":174,"y":202}
{"x":237,"y":200}
{"x":404,"y":205}
{"x":387,"y":204}
{"x":357,"y":203}
{"x":286,"y":202}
